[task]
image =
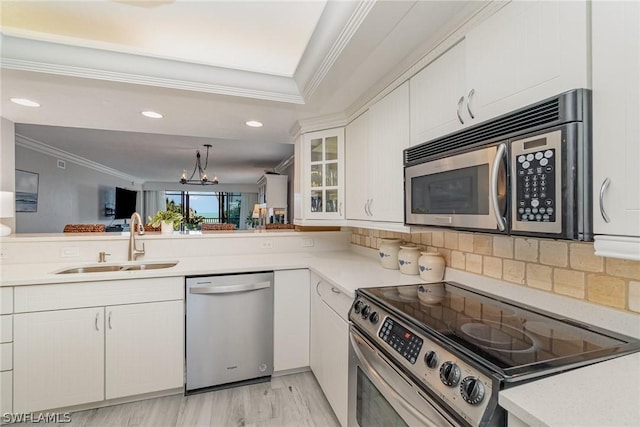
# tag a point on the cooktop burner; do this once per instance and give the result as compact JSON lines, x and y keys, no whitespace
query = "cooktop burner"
{"x":504,"y":334}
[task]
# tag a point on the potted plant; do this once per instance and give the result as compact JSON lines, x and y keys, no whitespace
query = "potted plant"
{"x":168,"y":220}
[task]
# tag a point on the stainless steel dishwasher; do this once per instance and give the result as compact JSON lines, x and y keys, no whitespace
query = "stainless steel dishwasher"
{"x":229,"y":330}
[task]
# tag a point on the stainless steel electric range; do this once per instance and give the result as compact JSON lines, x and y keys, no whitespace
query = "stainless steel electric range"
{"x":438,"y":354}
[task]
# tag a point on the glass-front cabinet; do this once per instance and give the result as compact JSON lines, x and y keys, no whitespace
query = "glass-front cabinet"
{"x":323,"y":174}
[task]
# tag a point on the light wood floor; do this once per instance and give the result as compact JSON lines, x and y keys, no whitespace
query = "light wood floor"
{"x":291,"y":400}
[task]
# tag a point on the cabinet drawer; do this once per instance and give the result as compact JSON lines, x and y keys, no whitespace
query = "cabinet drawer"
{"x":6,"y":328}
{"x":6,"y":300}
{"x":335,"y":298}
{"x":6,"y":356}
{"x":91,"y":294}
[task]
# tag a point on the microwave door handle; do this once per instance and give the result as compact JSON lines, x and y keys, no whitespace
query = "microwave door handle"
{"x":384,"y":384}
{"x":494,"y":186}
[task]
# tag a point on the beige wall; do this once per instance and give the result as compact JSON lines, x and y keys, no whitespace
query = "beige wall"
{"x":564,"y":268}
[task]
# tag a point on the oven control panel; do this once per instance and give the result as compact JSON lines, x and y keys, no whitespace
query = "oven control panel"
{"x":465,"y":389}
{"x":402,"y":340}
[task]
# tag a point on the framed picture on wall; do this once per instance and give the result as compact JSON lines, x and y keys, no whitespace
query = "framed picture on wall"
{"x":26,"y":191}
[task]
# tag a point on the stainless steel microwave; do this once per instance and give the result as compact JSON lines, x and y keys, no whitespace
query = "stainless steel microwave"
{"x":526,"y":173}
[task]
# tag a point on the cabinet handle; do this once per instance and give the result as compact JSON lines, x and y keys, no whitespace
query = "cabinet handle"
{"x":335,"y":291}
{"x":370,"y":211}
{"x":317,"y":288}
{"x":460,"y":101}
{"x":366,"y":205}
{"x":97,"y":318}
{"x":109,"y":320}
{"x":340,"y":208}
{"x":471,"y":93}
{"x":603,"y":189}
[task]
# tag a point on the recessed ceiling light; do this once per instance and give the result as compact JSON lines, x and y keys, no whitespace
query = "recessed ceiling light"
{"x":152,"y":114}
{"x":25,"y":102}
{"x":254,"y":124}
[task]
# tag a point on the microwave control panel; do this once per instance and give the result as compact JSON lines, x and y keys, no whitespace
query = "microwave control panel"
{"x":536,"y":183}
{"x":535,"y":186}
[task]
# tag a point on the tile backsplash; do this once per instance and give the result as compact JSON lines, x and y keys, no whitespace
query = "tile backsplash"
{"x":560,"y":267}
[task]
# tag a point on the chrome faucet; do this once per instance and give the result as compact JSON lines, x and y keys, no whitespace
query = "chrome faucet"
{"x":133,"y":251}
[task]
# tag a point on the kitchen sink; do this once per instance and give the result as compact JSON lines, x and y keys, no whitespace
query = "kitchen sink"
{"x":123,"y":267}
{"x":149,"y":266}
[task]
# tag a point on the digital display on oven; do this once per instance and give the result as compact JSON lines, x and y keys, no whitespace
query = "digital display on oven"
{"x":403,"y":341}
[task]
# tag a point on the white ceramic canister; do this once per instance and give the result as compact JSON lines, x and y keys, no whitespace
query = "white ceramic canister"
{"x":408,"y":259}
{"x":389,"y":253}
{"x":431,"y":266}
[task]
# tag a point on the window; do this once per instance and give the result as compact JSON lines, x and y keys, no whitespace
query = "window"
{"x":214,"y":207}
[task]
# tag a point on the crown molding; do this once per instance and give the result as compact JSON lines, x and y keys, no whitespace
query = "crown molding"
{"x":40,"y":147}
{"x":77,"y":61}
{"x":355,"y":20}
{"x":284,"y":165}
{"x":328,"y":121}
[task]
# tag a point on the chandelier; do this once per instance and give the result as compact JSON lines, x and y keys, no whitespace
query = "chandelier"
{"x":202,"y":171}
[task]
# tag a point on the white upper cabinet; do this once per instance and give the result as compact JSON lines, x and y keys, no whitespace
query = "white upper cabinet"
{"x":524,"y":53}
{"x":357,"y":167}
{"x":374,"y":145}
{"x":616,"y":120}
{"x":438,"y":96}
{"x":322,"y":175}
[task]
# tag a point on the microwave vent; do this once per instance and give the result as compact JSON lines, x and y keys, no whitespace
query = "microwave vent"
{"x":544,"y":114}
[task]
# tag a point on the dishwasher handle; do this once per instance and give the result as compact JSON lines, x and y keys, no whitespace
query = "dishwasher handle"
{"x":229,"y":289}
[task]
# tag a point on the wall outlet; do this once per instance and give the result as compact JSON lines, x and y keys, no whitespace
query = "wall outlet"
{"x":70,"y":252}
{"x":307,"y":243}
{"x":266,"y":244}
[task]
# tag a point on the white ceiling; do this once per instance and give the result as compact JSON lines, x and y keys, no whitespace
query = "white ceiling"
{"x":93,"y":67}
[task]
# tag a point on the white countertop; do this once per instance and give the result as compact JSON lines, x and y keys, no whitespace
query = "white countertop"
{"x":605,"y":394}
{"x":346,"y":270}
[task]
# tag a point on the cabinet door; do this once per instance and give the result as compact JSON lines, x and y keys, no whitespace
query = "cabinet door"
{"x":291,"y":319}
{"x":526,"y":52}
{"x":388,"y":135}
{"x":329,"y":351}
{"x":616,"y":116}
{"x":438,"y":95}
{"x":144,"y":348}
{"x":58,"y":359}
{"x":324,"y":174}
{"x":357,"y":166}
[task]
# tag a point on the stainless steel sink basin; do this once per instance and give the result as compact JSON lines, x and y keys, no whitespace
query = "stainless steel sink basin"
{"x":125,"y":267}
{"x":148,"y":266}
{"x":91,"y":269}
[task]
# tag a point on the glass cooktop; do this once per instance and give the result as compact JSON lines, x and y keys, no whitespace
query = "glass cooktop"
{"x":512,"y":337}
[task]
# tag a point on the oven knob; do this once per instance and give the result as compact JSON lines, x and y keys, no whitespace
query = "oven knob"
{"x":357,"y":307}
{"x":431,"y":359}
{"x":449,"y":374}
{"x":472,"y":390}
{"x":365,"y":312}
{"x":374,"y":318}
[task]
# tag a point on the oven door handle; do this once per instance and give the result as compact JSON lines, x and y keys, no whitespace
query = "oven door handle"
{"x":384,"y":384}
{"x":495,"y":171}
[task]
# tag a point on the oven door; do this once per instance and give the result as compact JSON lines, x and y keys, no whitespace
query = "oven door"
{"x":379,"y":395}
{"x":466,"y":190}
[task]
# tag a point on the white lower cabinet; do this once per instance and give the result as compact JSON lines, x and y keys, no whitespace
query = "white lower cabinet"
{"x":291,"y":320}
{"x":66,"y":356}
{"x":329,"y":358}
{"x":59,"y":359}
{"x":144,"y":348}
